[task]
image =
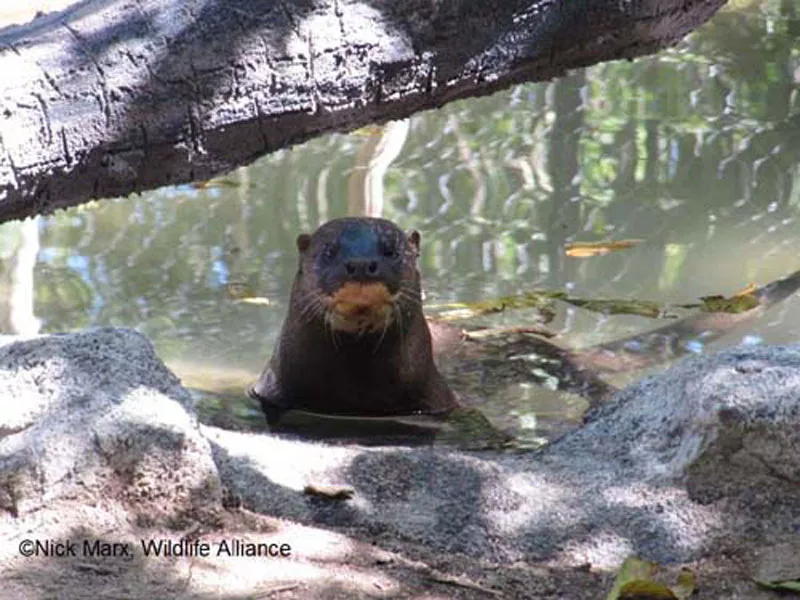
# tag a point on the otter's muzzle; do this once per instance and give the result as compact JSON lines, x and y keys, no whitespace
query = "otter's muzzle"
{"x":360,"y":308}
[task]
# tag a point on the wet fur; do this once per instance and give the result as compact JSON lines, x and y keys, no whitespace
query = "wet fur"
{"x":385,"y":368}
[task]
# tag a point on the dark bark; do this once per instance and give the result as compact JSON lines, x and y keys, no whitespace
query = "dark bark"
{"x":117,"y":96}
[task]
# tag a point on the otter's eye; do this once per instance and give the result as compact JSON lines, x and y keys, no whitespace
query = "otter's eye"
{"x":389,"y":251}
{"x":329,"y":252}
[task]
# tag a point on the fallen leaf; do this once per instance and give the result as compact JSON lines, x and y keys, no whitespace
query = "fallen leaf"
{"x":687,"y":583}
{"x":781,"y":586}
{"x":330,"y":492}
{"x":646,"y":590}
{"x":779,"y":567}
{"x":632,"y":569}
{"x":642,"y":580}
{"x":256,"y":301}
{"x":588,"y":249}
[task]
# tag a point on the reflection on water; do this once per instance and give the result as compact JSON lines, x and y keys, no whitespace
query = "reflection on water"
{"x":696,"y":151}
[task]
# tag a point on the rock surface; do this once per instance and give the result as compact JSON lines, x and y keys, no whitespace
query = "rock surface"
{"x":698,"y":465}
{"x":668,"y":468}
{"x":94,"y":413}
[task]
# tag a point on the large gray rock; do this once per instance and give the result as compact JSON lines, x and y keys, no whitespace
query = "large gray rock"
{"x":683,"y":463}
{"x":97,"y":413}
{"x":671,"y":468}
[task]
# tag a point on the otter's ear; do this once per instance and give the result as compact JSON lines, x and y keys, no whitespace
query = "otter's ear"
{"x":413,"y":238}
{"x":303,"y":242}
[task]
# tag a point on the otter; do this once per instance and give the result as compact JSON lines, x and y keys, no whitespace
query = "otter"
{"x":355,"y":341}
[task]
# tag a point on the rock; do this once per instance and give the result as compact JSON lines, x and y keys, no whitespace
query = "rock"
{"x":667,"y":469}
{"x":685,"y":464}
{"x":98,"y":413}
{"x":706,"y":409}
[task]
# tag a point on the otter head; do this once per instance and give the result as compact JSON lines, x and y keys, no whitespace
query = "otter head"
{"x":363,"y":273}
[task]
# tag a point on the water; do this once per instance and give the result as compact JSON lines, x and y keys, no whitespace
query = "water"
{"x":695,"y":151}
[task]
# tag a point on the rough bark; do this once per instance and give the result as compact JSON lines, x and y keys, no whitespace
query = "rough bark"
{"x":117,"y":96}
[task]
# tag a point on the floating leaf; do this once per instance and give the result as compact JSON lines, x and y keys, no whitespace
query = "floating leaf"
{"x":259,"y":301}
{"x":543,"y":301}
{"x":215,"y":183}
{"x":480,"y":334}
{"x":735,"y":304}
{"x":642,"y":308}
{"x":587,"y":249}
{"x":740,"y":302}
{"x":748,"y":291}
{"x":239,"y":289}
{"x":242,"y":292}
{"x":368,"y":130}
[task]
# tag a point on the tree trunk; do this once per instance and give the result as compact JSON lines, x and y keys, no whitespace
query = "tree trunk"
{"x":117,"y":96}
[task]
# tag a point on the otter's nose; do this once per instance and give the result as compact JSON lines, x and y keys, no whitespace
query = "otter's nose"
{"x":362,"y":269}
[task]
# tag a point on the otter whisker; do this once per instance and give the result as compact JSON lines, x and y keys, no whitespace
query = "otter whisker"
{"x":331,"y":330}
{"x":410,"y":294}
{"x":308,"y":313}
{"x":313,"y":309}
{"x":386,"y":322}
{"x":408,"y":305}
{"x":398,"y":317}
{"x":310,"y":307}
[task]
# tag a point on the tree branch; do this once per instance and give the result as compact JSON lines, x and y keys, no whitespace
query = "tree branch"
{"x":112,"y":97}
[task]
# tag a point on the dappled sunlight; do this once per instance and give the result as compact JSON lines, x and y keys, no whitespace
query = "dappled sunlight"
{"x":144,"y":404}
{"x":536,"y":499}
{"x":303,"y":460}
{"x":319,"y":558}
{"x":316,"y":560}
{"x":602,"y":550}
{"x":660,"y":501}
